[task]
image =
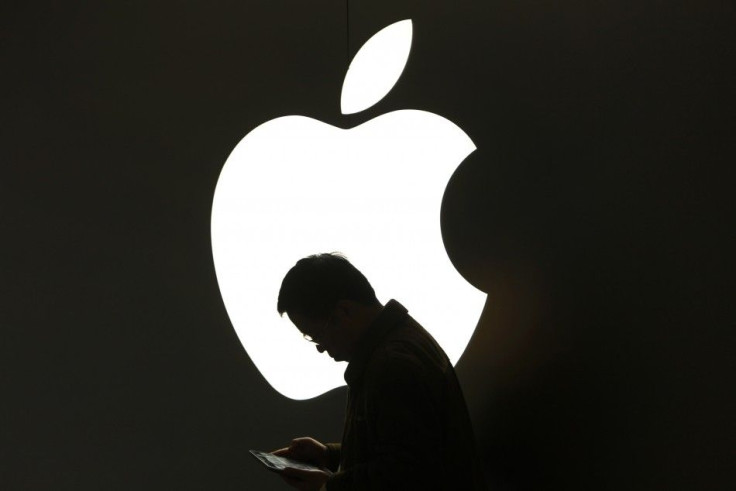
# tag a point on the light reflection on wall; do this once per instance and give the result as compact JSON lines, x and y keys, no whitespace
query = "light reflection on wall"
{"x":295,"y":186}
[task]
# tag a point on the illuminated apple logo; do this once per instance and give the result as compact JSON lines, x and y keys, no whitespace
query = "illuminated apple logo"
{"x":295,"y":186}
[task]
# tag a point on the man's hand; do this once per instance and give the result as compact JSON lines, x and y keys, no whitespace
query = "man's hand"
{"x":305,"y":449}
{"x":305,"y":480}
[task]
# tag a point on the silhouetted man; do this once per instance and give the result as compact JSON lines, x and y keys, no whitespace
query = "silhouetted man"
{"x":407,"y":426}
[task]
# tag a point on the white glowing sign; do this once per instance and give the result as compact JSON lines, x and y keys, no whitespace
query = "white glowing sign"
{"x":295,"y":186}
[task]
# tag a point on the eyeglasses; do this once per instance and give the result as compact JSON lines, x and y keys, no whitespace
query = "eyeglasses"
{"x":317,"y":336}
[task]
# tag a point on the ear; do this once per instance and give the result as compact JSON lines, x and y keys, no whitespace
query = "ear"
{"x":344,"y":309}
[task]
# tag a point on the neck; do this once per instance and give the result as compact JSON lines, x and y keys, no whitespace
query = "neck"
{"x":362,"y":318}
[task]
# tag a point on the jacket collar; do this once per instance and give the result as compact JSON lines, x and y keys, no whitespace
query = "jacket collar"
{"x":390,"y":316}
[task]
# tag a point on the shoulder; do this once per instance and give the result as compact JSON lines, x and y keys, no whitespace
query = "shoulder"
{"x":407,"y":358}
{"x":412,"y":342}
{"x":397,"y":376}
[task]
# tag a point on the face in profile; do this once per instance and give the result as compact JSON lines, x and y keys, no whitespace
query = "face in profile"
{"x":326,"y":333}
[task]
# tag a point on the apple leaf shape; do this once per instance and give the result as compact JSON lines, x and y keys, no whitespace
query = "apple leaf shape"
{"x":376,"y":67}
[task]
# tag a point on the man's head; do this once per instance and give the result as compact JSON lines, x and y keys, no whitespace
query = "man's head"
{"x":329,"y":301}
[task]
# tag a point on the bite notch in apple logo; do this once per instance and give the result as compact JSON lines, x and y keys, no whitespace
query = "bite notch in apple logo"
{"x":295,"y":186}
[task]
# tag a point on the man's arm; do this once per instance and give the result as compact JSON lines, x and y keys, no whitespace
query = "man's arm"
{"x":307,"y":449}
{"x":333,"y":456}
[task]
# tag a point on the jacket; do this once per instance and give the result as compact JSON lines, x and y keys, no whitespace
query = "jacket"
{"x":406,"y":424}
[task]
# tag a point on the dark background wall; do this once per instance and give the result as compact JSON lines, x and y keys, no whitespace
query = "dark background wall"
{"x":596,"y":213}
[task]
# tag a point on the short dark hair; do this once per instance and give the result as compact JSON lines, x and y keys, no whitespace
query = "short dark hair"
{"x":316,"y":283}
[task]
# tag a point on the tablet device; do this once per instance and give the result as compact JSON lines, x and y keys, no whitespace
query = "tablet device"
{"x":277,"y":464}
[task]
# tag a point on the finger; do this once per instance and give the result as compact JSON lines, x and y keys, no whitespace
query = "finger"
{"x":302,"y":440}
{"x":297,"y":442}
{"x":281,"y":451}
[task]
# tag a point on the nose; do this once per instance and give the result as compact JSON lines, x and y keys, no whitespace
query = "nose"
{"x":320,"y":348}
